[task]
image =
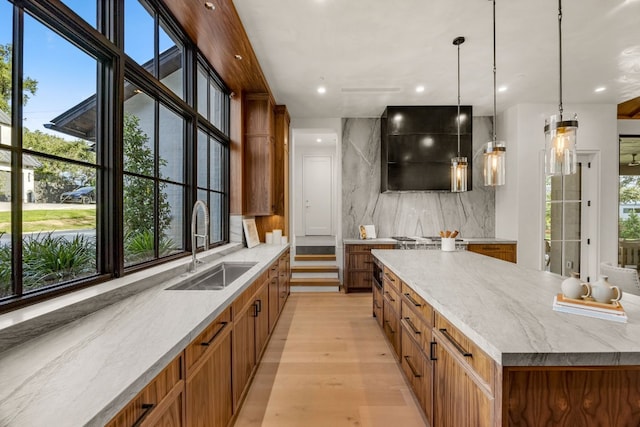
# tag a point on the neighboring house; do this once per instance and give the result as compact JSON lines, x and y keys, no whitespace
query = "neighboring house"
{"x":29,"y":163}
{"x":627,"y":208}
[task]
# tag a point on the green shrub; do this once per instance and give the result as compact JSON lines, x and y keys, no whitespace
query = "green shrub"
{"x":49,"y":259}
{"x":5,"y":268}
{"x":139,"y":246}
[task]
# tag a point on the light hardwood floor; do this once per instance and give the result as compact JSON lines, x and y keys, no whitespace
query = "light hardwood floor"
{"x":328,"y":364}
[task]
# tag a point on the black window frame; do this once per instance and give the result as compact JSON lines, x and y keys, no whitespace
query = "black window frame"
{"x":105,"y":43}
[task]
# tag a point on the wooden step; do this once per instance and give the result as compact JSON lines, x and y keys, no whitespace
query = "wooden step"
{"x":322,"y":281}
{"x":315,"y":257}
{"x":314,"y":269}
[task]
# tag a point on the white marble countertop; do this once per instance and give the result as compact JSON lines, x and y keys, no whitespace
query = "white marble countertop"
{"x":389,"y":240}
{"x":84,"y":372}
{"x":507,"y":310}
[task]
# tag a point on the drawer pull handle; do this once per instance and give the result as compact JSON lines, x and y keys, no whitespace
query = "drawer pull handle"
{"x":412,"y":301}
{"x":455,"y":343}
{"x":389,"y":277}
{"x":376,"y":304}
{"x":412,"y":326}
{"x":389,"y":324}
{"x":432,"y":350}
{"x":368,"y":262}
{"x":390,"y":297}
{"x":208,"y":343}
{"x":147,"y":407}
{"x":255,"y":309}
{"x":259,"y":305}
{"x":413,"y":371}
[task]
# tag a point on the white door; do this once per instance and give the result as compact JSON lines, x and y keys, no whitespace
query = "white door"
{"x":317,"y":197}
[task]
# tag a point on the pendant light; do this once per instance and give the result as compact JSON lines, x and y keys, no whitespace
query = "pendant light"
{"x":459,"y":163}
{"x":494,"y":153}
{"x":560,"y":156}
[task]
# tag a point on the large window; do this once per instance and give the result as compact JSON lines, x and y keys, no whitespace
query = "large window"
{"x":629,"y":202}
{"x":89,"y":190}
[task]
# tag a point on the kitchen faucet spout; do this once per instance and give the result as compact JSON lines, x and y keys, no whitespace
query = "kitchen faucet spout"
{"x":199,"y":204}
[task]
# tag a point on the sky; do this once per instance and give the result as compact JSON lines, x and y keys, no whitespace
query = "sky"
{"x":66,"y":75}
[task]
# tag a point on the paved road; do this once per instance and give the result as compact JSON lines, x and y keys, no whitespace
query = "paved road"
{"x":6,"y":206}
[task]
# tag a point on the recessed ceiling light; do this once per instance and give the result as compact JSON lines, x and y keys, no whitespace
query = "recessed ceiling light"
{"x":420,"y":89}
{"x":600,"y":89}
{"x":209,"y":5}
{"x":322,"y":89}
{"x":238,"y":57}
{"x":319,"y":140}
{"x":502,"y":89}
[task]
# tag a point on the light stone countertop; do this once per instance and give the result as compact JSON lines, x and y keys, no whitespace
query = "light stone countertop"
{"x":389,"y":240}
{"x":84,"y":372}
{"x":507,"y":310}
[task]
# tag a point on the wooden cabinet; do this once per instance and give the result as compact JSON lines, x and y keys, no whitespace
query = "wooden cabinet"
{"x":274,"y":295}
{"x":419,"y":371}
{"x":161,"y":402}
{"x":208,"y":387}
{"x":377,"y":304}
{"x":358,"y":266}
{"x":283,"y":278}
{"x":281,"y":164}
{"x":259,"y":155}
{"x":503,"y":251}
{"x":262,"y":318}
{"x":244,"y":347}
{"x":459,"y":399}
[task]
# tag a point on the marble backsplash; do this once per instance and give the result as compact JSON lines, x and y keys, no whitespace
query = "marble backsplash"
{"x":414,"y":213}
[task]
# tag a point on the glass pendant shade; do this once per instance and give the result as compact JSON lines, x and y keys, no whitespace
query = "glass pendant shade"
{"x":560,"y":156}
{"x":494,"y":164}
{"x":458,"y":174}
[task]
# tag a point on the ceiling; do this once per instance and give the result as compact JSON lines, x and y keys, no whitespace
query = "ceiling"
{"x":373,"y":53}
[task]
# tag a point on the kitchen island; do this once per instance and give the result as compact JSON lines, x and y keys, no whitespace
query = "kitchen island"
{"x":481,"y":345}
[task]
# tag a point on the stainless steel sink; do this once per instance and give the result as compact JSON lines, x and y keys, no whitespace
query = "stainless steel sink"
{"x":218,"y":278}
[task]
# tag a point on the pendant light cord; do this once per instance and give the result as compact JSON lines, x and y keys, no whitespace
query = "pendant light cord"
{"x":495,"y":116}
{"x":560,"y":50}
{"x":459,"y":100}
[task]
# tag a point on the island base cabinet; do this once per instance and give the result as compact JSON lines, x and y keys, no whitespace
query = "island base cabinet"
{"x":562,"y":397}
{"x":459,"y":399}
{"x":377,"y":305}
{"x":419,"y":371}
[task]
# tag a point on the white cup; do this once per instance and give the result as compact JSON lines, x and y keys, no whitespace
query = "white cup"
{"x":284,"y":240}
{"x":448,"y":244}
{"x":268,"y":238}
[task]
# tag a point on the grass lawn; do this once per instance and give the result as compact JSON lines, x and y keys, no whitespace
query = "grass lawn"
{"x":51,"y":220}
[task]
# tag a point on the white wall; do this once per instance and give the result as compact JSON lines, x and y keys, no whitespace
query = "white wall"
{"x":519,"y":210}
{"x":629,"y":127}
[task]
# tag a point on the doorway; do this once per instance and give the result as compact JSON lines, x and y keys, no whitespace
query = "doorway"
{"x":629,"y":202}
{"x":317,"y":193}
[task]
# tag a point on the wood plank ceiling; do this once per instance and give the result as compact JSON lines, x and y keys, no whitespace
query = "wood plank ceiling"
{"x":220,"y":36}
{"x":629,"y":109}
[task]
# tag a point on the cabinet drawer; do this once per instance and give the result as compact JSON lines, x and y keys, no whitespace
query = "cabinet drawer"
{"x":274,"y":269}
{"x":419,"y":371}
{"x":390,"y":327}
{"x":392,"y":298}
{"x":416,"y":327}
{"x":475,"y":358}
{"x":143,"y":406}
{"x":391,"y":279}
{"x":377,"y":305}
{"x":197,"y":348}
{"x":504,"y":251}
{"x":417,"y":303}
{"x":360,"y":261}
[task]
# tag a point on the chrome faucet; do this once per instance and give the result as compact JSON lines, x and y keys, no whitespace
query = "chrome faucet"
{"x":194,"y":236}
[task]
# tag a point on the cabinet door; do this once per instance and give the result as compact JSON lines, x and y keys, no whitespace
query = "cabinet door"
{"x":209,"y":388}
{"x":391,"y":326}
{"x":274,"y":302}
{"x":262,"y":321}
{"x":419,"y":371}
{"x":244,"y":351}
{"x":459,"y":401}
{"x":377,"y":305}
